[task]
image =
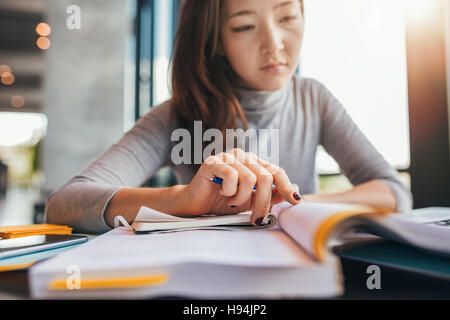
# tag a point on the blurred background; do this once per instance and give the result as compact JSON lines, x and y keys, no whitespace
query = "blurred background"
{"x":75,"y":75}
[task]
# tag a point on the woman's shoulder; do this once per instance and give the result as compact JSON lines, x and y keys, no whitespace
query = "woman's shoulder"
{"x":309,"y":86}
{"x":313,"y":93}
{"x":162,"y":110}
{"x":162,"y":113}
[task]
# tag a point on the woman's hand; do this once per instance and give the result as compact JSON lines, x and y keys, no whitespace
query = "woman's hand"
{"x":240,"y":172}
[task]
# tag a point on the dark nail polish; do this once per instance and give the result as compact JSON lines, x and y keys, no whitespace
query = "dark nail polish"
{"x":297,"y":196}
{"x":259,"y":221}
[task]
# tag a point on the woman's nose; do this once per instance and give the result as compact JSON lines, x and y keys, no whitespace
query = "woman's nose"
{"x":272,"y":40}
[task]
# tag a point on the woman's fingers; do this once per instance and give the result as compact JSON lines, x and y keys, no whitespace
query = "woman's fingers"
{"x":241,"y":171}
{"x":246,"y":180}
{"x":218,"y":168}
{"x":263,"y":196}
{"x":263,"y":193}
{"x":284,"y":186}
{"x":277,"y":197}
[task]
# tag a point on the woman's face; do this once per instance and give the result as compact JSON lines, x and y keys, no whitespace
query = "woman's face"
{"x":261,"y":40}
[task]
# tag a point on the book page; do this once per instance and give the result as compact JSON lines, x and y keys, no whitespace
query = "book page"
{"x":121,"y":249}
{"x":146,"y":214}
{"x":303,"y":221}
{"x":149,"y":219}
{"x":426,"y":228}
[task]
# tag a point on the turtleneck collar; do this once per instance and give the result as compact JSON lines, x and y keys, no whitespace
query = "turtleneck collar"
{"x":261,"y":102}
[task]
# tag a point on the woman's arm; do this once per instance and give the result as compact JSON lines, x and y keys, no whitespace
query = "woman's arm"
{"x":374,"y":193}
{"x":376,"y":182}
{"x":81,"y":203}
{"x":127,"y":202}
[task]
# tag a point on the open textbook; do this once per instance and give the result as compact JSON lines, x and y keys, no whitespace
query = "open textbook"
{"x":289,"y":259}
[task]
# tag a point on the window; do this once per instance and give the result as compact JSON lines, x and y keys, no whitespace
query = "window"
{"x":154,"y":32}
{"x":357,"y":49}
{"x":155,"y":27}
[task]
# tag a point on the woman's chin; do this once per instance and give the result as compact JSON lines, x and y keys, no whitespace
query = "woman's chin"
{"x":267,"y":82}
{"x":273,"y":83}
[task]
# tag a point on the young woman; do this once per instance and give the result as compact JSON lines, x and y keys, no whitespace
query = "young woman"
{"x":234,"y":67}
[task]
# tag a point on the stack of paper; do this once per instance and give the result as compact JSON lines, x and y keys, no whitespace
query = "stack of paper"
{"x":196,"y":263}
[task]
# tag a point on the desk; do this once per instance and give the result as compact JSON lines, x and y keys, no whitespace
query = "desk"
{"x":395,"y":283}
{"x":406,"y":272}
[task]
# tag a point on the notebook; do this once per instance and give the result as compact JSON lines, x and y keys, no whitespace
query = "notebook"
{"x":10,"y":232}
{"x":291,"y":259}
{"x":150,"y":220}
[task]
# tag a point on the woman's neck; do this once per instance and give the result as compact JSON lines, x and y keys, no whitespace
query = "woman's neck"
{"x":255,"y":101}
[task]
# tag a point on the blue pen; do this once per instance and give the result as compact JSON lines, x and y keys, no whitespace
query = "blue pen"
{"x":219,"y":181}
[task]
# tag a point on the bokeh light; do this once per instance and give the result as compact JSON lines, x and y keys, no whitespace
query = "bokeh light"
{"x":17,"y":101}
{"x":43,"y":43}
{"x":7,"y":78}
{"x":43,"y":29}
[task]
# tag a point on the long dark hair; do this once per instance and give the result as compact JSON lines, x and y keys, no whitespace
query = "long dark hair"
{"x":202,"y":78}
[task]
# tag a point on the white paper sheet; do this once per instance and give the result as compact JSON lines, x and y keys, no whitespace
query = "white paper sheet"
{"x":152,"y":220}
{"x":121,"y":249}
{"x":149,"y":214}
{"x":303,"y":220}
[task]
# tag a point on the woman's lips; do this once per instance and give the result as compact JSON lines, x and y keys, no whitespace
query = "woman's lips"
{"x":274,"y":67}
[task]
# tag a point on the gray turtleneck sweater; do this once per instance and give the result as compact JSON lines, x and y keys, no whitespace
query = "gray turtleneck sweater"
{"x":306,"y":114}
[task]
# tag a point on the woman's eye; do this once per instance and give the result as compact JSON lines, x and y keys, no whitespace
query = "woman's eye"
{"x":289,"y":18}
{"x":241,"y":29}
